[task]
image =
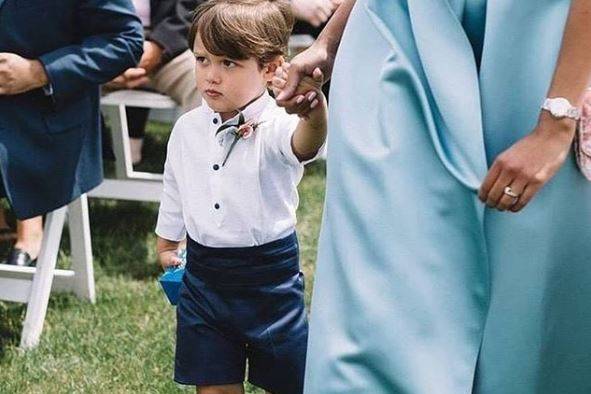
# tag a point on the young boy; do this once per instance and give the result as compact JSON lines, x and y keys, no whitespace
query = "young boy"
{"x":230,"y":186}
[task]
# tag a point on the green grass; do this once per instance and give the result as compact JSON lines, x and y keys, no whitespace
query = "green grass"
{"x":125,"y":342}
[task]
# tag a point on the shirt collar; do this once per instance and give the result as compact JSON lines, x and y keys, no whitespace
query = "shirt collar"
{"x":252,"y":111}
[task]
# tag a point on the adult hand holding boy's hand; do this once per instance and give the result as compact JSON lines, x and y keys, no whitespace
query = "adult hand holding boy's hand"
{"x":19,"y":75}
{"x":306,"y":94}
{"x":301,"y":66}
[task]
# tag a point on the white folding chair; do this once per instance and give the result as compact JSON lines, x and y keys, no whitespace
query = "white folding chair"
{"x":129,"y":184}
{"x":33,"y":285}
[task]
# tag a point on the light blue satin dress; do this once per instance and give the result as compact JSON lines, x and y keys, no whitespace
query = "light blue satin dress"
{"x":419,"y":288}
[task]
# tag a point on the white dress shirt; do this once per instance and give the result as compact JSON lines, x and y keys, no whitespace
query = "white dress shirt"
{"x":252,"y":199}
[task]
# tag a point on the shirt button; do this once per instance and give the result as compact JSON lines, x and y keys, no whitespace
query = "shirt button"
{"x":215,"y":120}
{"x":216,"y":206}
{"x":216,"y":167}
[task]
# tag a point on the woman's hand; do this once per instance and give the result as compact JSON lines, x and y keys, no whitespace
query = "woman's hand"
{"x":307,"y":93}
{"x":300,"y":67}
{"x":527,"y":165}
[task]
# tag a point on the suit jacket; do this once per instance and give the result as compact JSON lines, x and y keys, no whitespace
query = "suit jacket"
{"x":50,"y":144}
{"x":169,"y":23}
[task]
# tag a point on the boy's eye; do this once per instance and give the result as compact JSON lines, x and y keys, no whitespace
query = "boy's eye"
{"x":200,"y":59}
{"x":228,"y":63}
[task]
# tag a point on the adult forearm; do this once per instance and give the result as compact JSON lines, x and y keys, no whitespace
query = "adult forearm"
{"x":331,"y":35}
{"x":573,"y":70}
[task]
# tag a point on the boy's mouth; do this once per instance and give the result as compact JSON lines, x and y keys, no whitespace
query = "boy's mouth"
{"x":212,"y":93}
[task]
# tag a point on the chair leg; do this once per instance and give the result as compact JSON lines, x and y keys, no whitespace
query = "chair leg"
{"x":81,"y":246}
{"x":116,"y":117}
{"x":43,"y":278}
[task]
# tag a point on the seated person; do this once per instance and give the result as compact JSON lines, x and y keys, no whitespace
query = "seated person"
{"x":167,"y":65}
{"x":51,"y":67}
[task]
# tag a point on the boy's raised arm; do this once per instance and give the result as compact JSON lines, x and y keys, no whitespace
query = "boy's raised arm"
{"x":310,"y":133}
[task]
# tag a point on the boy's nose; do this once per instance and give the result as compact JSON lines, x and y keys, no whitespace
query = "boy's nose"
{"x":213,"y":76}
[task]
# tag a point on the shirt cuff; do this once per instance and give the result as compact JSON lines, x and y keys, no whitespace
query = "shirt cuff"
{"x":48,"y":89}
{"x":289,"y":154}
{"x":286,"y":149}
{"x":170,"y":231}
{"x":319,"y":155}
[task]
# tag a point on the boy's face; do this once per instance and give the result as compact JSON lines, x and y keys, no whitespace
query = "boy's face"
{"x":227,"y":84}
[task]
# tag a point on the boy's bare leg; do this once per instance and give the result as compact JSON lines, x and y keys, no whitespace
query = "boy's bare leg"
{"x":221,"y":389}
{"x":29,"y":235}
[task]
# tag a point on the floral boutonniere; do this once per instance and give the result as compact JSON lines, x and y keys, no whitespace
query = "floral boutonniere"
{"x":242,"y":130}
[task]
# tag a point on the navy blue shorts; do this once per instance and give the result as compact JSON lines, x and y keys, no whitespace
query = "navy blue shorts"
{"x":239,"y":304}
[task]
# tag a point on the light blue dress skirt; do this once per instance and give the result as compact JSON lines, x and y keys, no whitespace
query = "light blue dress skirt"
{"x":420,"y":288}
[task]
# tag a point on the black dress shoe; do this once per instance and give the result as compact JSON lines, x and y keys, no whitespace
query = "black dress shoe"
{"x":19,"y":257}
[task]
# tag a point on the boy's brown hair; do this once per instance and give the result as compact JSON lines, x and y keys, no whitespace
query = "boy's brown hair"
{"x":241,"y":29}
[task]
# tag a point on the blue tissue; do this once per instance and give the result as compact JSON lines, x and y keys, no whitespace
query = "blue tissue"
{"x":171,"y":280}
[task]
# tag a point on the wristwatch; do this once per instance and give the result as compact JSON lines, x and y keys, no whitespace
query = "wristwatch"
{"x":560,"y":108}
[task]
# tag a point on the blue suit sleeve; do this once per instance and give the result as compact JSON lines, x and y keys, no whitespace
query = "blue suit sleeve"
{"x":111,"y":41}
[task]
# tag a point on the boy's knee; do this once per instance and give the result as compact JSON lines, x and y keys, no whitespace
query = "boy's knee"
{"x":221,"y":389}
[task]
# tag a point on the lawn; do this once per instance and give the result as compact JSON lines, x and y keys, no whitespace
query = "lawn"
{"x":124,"y":343}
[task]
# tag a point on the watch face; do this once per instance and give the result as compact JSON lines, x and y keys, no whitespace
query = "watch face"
{"x":559,"y":107}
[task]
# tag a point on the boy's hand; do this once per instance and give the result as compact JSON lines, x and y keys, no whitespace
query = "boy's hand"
{"x":169,"y":259}
{"x":308,"y":92}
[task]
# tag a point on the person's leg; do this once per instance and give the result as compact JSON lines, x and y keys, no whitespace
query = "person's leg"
{"x":222,"y":389}
{"x":29,"y":235}
{"x":276,"y":360}
{"x":136,"y":123}
{"x":177,"y":80}
{"x":28,"y":242}
{"x":207,"y":355}
{"x":6,"y":233}
{"x":107,"y":141}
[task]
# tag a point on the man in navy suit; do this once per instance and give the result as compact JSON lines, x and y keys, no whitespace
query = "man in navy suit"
{"x":54,"y":54}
